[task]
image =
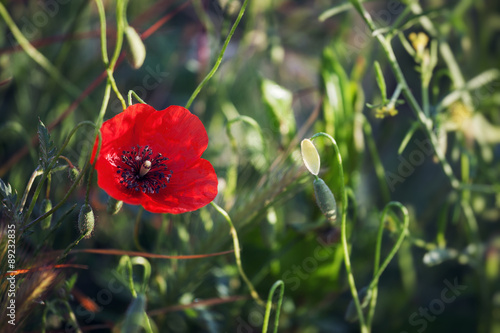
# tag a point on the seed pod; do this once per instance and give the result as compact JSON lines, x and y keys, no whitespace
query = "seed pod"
{"x":135,"y":49}
{"x":46,"y":206}
{"x":113,"y":206}
{"x":310,"y":156}
{"x":86,"y":220}
{"x":325,"y":199}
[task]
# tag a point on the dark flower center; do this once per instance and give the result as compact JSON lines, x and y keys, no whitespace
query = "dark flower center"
{"x":143,"y":172}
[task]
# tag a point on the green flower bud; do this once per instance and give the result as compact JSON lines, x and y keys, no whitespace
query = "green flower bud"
{"x":114,"y":206}
{"x":135,"y":49}
{"x":86,"y":220}
{"x":325,"y":199}
{"x":310,"y":156}
{"x":73,"y":174}
{"x":46,"y":206}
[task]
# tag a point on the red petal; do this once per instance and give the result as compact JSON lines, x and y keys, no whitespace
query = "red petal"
{"x":188,"y":190}
{"x":119,"y":132}
{"x":176,"y":133}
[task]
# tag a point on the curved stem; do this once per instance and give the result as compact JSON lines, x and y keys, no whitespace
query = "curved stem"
{"x":347,"y":261}
{"x":102,"y":20}
{"x":269,"y":304}
{"x":426,"y":122}
{"x":38,"y":57}
{"x":133,"y":93}
{"x":126,"y":263}
{"x":378,"y":270}
{"x":44,"y":177}
{"x":136,"y":230}
{"x":379,"y":167}
{"x":221,"y":55}
{"x":237,"y":255}
{"x":49,"y":168}
{"x":35,"y":174}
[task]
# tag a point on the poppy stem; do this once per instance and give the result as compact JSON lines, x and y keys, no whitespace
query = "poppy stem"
{"x":221,"y":55}
{"x":102,"y":19}
{"x":136,"y":230}
{"x":237,"y":255}
{"x":343,"y":232}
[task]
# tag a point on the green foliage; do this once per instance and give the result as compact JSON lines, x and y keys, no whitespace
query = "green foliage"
{"x":47,"y":147}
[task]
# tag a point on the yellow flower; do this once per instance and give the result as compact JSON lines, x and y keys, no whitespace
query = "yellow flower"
{"x":459,"y":114}
{"x":386,"y":110}
{"x":419,"y":42}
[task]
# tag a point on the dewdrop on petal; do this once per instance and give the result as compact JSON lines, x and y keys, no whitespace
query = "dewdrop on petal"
{"x":135,"y":49}
{"x":310,"y":156}
{"x":86,"y":220}
{"x":325,"y":199}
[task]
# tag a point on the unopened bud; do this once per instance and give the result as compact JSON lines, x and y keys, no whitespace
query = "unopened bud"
{"x":73,"y":174}
{"x":325,"y":199}
{"x":46,"y":206}
{"x":135,"y":49}
{"x":113,"y":206}
{"x":310,"y":156}
{"x":86,"y":220}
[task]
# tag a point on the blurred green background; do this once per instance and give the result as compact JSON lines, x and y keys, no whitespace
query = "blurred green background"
{"x":296,"y":69}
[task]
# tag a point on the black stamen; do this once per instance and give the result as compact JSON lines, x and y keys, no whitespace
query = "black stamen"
{"x":154,"y":180}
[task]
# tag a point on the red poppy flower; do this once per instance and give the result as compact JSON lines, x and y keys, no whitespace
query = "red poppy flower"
{"x":153,"y":158}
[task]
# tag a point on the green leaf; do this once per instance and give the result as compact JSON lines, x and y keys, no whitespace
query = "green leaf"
{"x":278,"y":102}
{"x":47,"y":148}
{"x":6,"y":195}
{"x":381,"y":82}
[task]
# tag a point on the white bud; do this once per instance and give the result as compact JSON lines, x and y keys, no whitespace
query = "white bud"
{"x":310,"y":156}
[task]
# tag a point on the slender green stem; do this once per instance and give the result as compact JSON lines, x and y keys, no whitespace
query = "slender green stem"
{"x":102,"y":20}
{"x":269,"y":305}
{"x":112,"y":81}
{"x":425,"y":98}
{"x":126,"y":264}
{"x":121,"y":22}
{"x":446,"y":53}
{"x":48,"y":170}
{"x":378,"y":270}
{"x":347,"y":261}
{"x":132,"y":93}
{"x":379,"y":167}
{"x":426,"y":122}
{"x":146,"y":271}
{"x":221,"y":55}
{"x":121,"y":6}
{"x":72,"y":318}
{"x":136,"y":230}
{"x":38,"y":57}
{"x":408,"y":136}
{"x":69,"y":248}
{"x":237,"y":254}
{"x":35,"y":174}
